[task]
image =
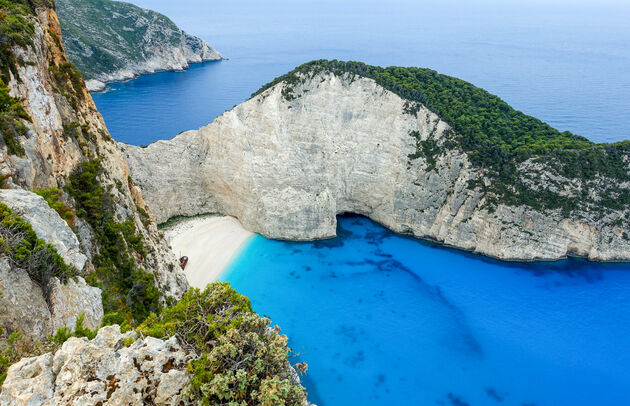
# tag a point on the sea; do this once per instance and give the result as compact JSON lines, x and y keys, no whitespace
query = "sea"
{"x":382,"y":319}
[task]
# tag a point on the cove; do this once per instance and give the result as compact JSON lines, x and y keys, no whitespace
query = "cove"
{"x":383,"y":319}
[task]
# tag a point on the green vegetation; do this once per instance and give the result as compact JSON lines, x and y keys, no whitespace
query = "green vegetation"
{"x":496,"y":137}
{"x":129,"y":292}
{"x":20,"y":245}
{"x":53,"y":198}
{"x":11,"y":125}
{"x":64,"y":333}
{"x":68,"y":82}
{"x":173,"y":221}
{"x":91,"y":25}
{"x":15,"y":30}
{"x":239,"y":360}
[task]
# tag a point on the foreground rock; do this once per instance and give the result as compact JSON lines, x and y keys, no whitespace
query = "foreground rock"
{"x":290,"y":159}
{"x":110,"y":369}
{"x":46,"y":223}
{"x":24,"y":306}
{"x":111,"y":41}
{"x":39,"y":311}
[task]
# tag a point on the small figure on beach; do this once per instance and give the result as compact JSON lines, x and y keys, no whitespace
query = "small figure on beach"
{"x":183,"y":261}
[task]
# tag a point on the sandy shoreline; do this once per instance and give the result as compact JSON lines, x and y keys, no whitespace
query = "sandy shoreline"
{"x":209,"y":242}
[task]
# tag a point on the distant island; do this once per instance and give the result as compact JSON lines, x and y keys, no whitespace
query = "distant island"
{"x":112,"y":41}
{"x":423,"y":153}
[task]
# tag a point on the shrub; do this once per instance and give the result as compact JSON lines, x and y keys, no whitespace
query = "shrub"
{"x":239,"y":358}
{"x":129,"y":292}
{"x":53,"y":198}
{"x":11,"y":126}
{"x":19,"y":243}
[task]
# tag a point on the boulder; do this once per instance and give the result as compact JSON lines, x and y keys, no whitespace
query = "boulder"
{"x":46,"y":223}
{"x":107,"y":370}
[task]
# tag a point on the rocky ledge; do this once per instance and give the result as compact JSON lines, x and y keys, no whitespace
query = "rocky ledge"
{"x":111,"y":41}
{"x":319,"y":142}
{"x":113,"y":369}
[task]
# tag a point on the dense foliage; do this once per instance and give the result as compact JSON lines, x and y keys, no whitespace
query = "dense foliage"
{"x":496,"y":137}
{"x":129,"y":292}
{"x":15,"y":30}
{"x":20,"y":245}
{"x":240,"y":360}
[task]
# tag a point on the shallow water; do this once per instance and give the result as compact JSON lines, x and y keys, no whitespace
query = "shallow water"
{"x":383,"y":319}
{"x":565,"y":62}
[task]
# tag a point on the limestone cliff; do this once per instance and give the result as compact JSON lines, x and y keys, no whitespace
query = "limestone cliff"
{"x":111,"y":41}
{"x":57,"y":131}
{"x":318,"y":143}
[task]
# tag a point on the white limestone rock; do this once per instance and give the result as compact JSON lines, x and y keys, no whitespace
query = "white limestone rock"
{"x":286,"y":168}
{"x":46,"y":223}
{"x":51,"y":154}
{"x":72,"y":299}
{"x":101,"y":371}
{"x":22,"y":304}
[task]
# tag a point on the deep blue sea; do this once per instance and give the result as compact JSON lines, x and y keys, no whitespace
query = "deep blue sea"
{"x":383,"y":319}
{"x":565,"y":62}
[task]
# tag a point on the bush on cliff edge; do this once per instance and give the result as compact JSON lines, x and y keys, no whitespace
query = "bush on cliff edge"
{"x":241,"y":360}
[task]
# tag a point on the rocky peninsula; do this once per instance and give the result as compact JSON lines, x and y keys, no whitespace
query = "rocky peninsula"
{"x":422,"y":153}
{"x":112,"y":41}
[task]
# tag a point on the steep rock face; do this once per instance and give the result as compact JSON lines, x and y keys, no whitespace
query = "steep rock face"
{"x":66,"y":130}
{"x":105,"y":370}
{"x":23,"y":305}
{"x":46,"y":223}
{"x":287,"y":161}
{"x":72,"y":299}
{"x":111,"y":41}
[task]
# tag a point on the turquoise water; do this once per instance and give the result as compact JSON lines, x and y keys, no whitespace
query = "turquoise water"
{"x":386,"y":320}
{"x":565,"y":62}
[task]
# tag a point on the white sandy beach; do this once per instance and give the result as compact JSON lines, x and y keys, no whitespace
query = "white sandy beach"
{"x":209,"y":242}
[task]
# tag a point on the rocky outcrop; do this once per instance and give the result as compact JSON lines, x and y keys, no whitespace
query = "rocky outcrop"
{"x":111,"y":41}
{"x":290,"y":159}
{"x":24,"y":307}
{"x":112,"y":369}
{"x":72,"y":299}
{"x":22,"y":304}
{"x":65,"y":130}
{"x":46,"y":223}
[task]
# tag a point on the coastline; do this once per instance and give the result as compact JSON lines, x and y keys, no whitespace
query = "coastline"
{"x":210,"y":242}
{"x":96,"y":86}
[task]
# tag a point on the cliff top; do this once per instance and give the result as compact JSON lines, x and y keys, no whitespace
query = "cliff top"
{"x":498,"y":139}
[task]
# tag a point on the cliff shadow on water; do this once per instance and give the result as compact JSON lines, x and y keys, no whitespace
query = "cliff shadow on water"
{"x":574,"y":267}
